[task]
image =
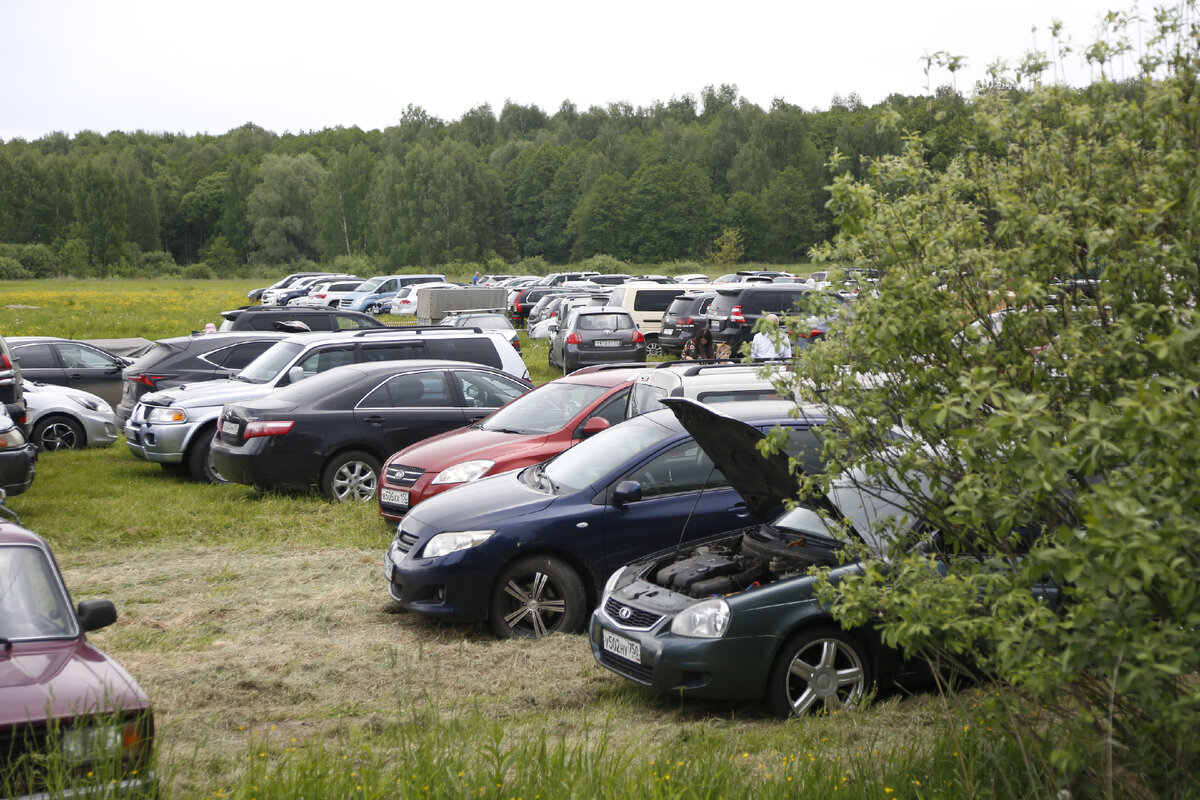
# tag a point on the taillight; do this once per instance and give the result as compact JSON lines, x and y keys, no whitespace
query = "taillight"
{"x":4,"y":362}
{"x":686,"y":321}
{"x":148,"y":380}
{"x":268,"y":428}
{"x":638,"y":338}
{"x":736,"y":315}
{"x":574,"y":338}
{"x":320,"y":296}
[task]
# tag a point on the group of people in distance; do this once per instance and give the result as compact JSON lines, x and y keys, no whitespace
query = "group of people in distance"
{"x":762,"y":348}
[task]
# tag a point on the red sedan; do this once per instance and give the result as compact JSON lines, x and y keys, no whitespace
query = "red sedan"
{"x":527,"y":431}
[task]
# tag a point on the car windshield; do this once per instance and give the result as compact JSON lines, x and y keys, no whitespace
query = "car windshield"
{"x":605,"y":453}
{"x":544,"y":410}
{"x":367,"y":286}
{"x":33,"y":604}
{"x":267,"y":366}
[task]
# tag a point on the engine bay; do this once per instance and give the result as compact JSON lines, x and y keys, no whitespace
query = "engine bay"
{"x":757,"y":558}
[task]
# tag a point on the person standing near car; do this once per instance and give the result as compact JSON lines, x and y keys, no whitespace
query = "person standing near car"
{"x":475,"y":280}
{"x":699,"y":346}
{"x":763,"y":347}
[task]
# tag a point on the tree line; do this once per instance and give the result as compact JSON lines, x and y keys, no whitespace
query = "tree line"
{"x":645,"y":185}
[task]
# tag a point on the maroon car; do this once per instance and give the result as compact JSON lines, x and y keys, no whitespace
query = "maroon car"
{"x":527,"y":431}
{"x":70,"y":717}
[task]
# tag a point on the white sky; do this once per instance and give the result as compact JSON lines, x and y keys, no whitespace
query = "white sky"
{"x":298,"y":65}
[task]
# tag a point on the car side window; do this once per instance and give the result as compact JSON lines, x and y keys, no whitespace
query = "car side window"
{"x":613,"y":410}
{"x":481,"y":390}
{"x":36,"y":356}
{"x":393,"y":351}
{"x":323,"y":360}
{"x":386,"y":286}
{"x":77,"y":357}
{"x":683,"y":468}
{"x":423,"y":390}
{"x":350,"y":323}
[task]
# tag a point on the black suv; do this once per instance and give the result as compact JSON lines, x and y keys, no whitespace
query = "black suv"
{"x":285,"y":319}
{"x":188,"y":359}
{"x":735,"y":311}
{"x":683,"y":317}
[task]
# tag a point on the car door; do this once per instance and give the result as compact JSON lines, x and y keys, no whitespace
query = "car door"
{"x":39,"y":363}
{"x":672,"y":508}
{"x":409,"y":407}
{"x":91,"y":370}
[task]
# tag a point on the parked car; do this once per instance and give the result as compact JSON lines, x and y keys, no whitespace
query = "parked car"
{"x":191,"y":359}
{"x":18,"y":457}
{"x":737,"y":617}
{"x":527,"y":298}
{"x":404,"y":303}
{"x":705,"y":381}
{"x":62,"y":418}
{"x":736,"y":310}
{"x":69,"y":712}
{"x":529,"y":430}
{"x":286,"y":280}
{"x":12,"y":402}
{"x":289,"y":319}
{"x":593,"y":335}
{"x":326,"y":293}
{"x":683,"y":317}
{"x":484,"y":319}
{"x":528,"y":550}
{"x":272,"y":297}
{"x":647,"y":301}
{"x":69,"y":362}
{"x":175,"y":427}
{"x":289,"y":296}
{"x":373,"y":293}
{"x":334,"y":429}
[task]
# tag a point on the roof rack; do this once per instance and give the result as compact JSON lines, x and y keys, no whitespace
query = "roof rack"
{"x":413,"y":329}
{"x":694,"y":362}
{"x":614,"y":365}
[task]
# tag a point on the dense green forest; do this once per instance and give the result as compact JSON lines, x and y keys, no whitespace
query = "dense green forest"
{"x":644,"y":185}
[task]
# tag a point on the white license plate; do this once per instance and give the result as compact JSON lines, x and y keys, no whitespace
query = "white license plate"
{"x":394,"y":497}
{"x":668,"y":331}
{"x":131,"y":433}
{"x":229,"y":428}
{"x":625,"y":648}
{"x":607,"y":343}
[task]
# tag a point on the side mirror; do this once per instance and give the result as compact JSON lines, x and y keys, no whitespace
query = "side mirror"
{"x":96,"y":614}
{"x":594,"y":425}
{"x":295,"y":374}
{"x":627,"y":492}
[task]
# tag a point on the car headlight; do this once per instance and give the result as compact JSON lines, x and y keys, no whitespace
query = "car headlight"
{"x":708,"y":619}
{"x":93,"y":404}
{"x":166,"y":414}
{"x":13,"y":437}
{"x":464,"y":472}
{"x":103,"y":740}
{"x":611,"y":584}
{"x":453,"y":541}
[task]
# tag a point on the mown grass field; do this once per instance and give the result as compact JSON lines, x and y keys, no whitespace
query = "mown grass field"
{"x":260,"y":627}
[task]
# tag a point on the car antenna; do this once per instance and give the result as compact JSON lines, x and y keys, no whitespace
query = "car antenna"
{"x":699,"y":494}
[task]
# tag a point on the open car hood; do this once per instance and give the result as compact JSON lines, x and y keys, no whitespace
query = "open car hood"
{"x":763,"y":482}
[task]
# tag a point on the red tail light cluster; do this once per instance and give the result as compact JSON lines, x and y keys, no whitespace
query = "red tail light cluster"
{"x":638,"y":338}
{"x":736,"y":315}
{"x":4,"y":362}
{"x":268,"y":428}
{"x":147,"y":380}
{"x":574,"y":338}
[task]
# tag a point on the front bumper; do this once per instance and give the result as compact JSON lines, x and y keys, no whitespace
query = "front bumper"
{"x":455,"y":586}
{"x":729,"y":668}
{"x":18,"y":467}
{"x":100,"y":429}
{"x":160,"y":443}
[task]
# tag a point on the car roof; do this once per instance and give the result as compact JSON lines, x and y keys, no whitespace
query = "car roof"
{"x":606,"y":375}
{"x":11,"y":533}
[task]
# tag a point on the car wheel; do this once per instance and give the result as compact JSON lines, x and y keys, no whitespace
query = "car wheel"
{"x":58,"y":433}
{"x":823,"y":669}
{"x":374,"y":308}
{"x":537,"y":596}
{"x":199,"y":458}
{"x":653,"y":348}
{"x":350,"y":476}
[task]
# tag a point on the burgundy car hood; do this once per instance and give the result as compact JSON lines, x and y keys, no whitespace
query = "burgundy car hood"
{"x":62,"y":679}
{"x":469,"y":444}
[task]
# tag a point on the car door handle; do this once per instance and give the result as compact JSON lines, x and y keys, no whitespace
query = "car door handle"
{"x":375,"y":419}
{"x":739,"y":509}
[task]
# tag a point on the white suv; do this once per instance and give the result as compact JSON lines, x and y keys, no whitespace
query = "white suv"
{"x":175,"y":427}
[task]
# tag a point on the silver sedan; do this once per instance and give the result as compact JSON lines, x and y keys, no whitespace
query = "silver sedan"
{"x":61,"y":418}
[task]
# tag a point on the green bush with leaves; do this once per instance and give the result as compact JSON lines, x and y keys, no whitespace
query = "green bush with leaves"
{"x":1026,"y":374}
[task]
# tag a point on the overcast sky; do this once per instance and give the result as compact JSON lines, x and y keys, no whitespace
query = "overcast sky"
{"x":191,"y":67}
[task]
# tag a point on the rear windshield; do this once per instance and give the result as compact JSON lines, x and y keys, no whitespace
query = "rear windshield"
{"x":604,"y":322}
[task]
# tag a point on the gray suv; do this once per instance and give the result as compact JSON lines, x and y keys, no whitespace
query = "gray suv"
{"x":175,"y":427}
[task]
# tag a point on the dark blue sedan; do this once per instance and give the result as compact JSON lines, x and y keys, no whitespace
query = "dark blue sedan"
{"x":528,"y":550}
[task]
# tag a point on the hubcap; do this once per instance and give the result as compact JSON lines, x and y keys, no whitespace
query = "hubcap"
{"x":58,"y":436}
{"x":537,"y":606}
{"x":354,"y":481}
{"x":827,"y":672}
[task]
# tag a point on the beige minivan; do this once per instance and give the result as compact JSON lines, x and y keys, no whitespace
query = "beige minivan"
{"x":646,"y":301}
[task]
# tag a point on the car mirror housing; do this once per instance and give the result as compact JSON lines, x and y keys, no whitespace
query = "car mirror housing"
{"x":627,"y":492}
{"x":594,"y":426}
{"x":96,"y":614}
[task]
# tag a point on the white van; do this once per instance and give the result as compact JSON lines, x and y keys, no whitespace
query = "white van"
{"x":646,"y":301}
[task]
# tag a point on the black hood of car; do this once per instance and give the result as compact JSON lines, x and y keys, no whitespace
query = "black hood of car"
{"x":763,"y":482}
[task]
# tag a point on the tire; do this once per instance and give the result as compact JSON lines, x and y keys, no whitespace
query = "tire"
{"x":537,"y":596}
{"x":350,"y":476}
{"x":823,"y":669}
{"x":374,"y":309}
{"x":199,"y":458}
{"x":653,"y":348}
{"x":58,"y":433}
